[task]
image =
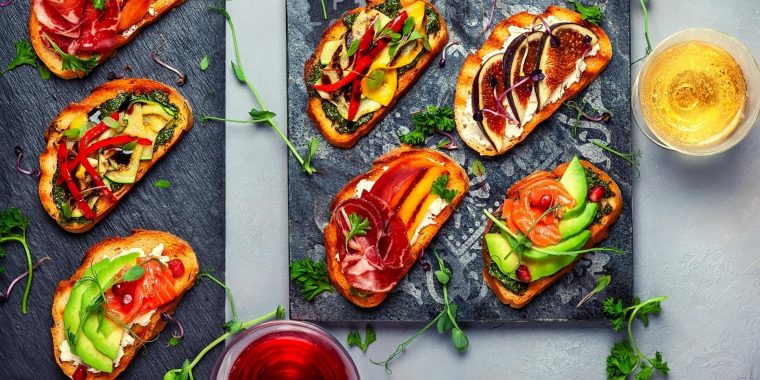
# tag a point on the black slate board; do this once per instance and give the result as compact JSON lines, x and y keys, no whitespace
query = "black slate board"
{"x":192,"y":208}
{"x":417,"y":297}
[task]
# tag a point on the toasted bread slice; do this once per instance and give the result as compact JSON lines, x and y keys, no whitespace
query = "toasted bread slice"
{"x":53,"y":61}
{"x":104,"y":92}
{"x":457,"y":180}
{"x":314,"y":105}
{"x":463,"y":113}
{"x":598,"y":230}
{"x":174,"y":248}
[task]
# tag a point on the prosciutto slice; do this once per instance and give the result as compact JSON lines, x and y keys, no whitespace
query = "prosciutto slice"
{"x":49,"y":15}
{"x":76,"y":26}
{"x":98,"y":31}
{"x":376,"y":261}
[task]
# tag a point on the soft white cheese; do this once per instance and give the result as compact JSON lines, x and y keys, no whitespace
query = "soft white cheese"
{"x":67,"y":355}
{"x":126,"y":340}
{"x":435,"y":208}
{"x":362,"y":186}
{"x":152,"y":11}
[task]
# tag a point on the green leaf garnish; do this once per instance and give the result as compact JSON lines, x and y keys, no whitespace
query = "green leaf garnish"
{"x":353,"y":48}
{"x":358,"y":226}
{"x":71,"y":133}
{"x":648,"y":49}
{"x":311,"y":277}
{"x":477,"y":168}
{"x":428,"y":122}
{"x":439,"y":189}
{"x":134,"y":273}
{"x":376,"y":79}
{"x":110,"y":122}
{"x":24,"y":56}
{"x":74,"y":63}
{"x":355,"y":339}
{"x":13,"y":226}
{"x":310,"y":152}
{"x":625,"y":356}
{"x":203,"y":64}
{"x":162,"y":184}
{"x":601,"y":284}
{"x":592,"y":13}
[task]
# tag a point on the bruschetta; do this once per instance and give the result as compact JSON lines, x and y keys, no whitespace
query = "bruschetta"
{"x":99,"y":148}
{"x":528,"y":67}
{"x":113,"y":303}
{"x":366,"y":61}
{"x":71,"y":37}
{"x":382,"y":220}
{"x":558,"y":213}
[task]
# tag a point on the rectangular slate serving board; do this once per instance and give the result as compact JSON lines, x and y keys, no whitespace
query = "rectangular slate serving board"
{"x":417,"y":297}
{"x":192,"y":208}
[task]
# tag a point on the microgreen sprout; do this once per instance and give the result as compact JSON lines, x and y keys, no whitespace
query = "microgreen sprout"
{"x":13,"y":226}
{"x":4,"y":296}
{"x":633,"y":157}
{"x":176,"y":334}
{"x":19,"y":158}
{"x":601,"y":284}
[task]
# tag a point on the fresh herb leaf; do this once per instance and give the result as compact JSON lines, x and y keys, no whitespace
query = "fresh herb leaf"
{"x":204,"y":63}
{"x":592,"y":13}
{"x":428,"y":122}
{"x":311,"y":277}
{"x":439,"y":189}
{"x":24,"y":56}
{"x":72,"y":62}
{"x":354,"y":46}
{"x":44,"y":72}
{"x":358,"y":227}
{"x":625,"y":356}
{"x":443,"y":143}
{"x":376,"y":79}
{"x":13,"y":226}
{"x":445,"y":320}
{"x":134,"y":273}
{"x":173,"y":342}
{"x":162,"y":184}
{"x":261,"y":115}
{"x":478,"y":169}
{"x":355,"y":339}
{"x":310,"y":152}
{"x":99,"y":4}
{"x":601,"y":284}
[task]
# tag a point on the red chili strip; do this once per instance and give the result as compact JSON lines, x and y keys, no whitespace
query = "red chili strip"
{"x":63,"y":153}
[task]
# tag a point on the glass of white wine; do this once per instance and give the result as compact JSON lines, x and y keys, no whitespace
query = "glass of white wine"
{"x":697,"y":93}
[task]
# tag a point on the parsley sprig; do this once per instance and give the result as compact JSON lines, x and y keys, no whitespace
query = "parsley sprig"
{"x":358,"y":226}
{"x":428,"y":122}
{"x":24,"y":56}
{"x":311,"y":277}
{"x":440,"y":189}
{"x":263,"y":115}
{"x":72,"y":62}
{"x":355,"y":339}
{"x":445,"y":321}
{"x":591,"y":13}
{"x":626,"y":357}
{"x":13,"y":226}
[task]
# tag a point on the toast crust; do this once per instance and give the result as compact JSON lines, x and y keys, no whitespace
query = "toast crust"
{"x":104,"y":92}
{"x":594,"y":66}
{"x":53,"y":61}
{"x":314,"y":105}
{"x":599,"y":232}
{"x":457,"y":180}
{"x":174,"y":248}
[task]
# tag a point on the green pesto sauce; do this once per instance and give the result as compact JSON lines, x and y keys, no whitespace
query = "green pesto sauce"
{"x":61,"y":195}
{"x":513,"y":285}
{"x":156,"y":96}
{"x":349,"y":19}
{"x":314,"y":75}
{"x":593,"y":180}
{"x":165,"y":134}
{"x":390,"y":8}
{"x":110,"y":106}
{"x":433,"y":24}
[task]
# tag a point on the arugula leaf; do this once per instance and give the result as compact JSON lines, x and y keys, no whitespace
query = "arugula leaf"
{"x":203,"y":64}
{"x":24,"y":56}
{"x":13,"y":226}
{"x":358,"y":227}
{"x":355,"y":339}
{"x":72,"y":62}
{"x":428,"y":122}
{"x":162,"y":184}
{"x":439,"y":189}
{"x":592,"y":13}
{"x":311,"y":277}
{"x":134,"y":273}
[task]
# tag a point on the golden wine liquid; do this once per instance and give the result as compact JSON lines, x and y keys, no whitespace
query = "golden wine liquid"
{"x":693,"y":94}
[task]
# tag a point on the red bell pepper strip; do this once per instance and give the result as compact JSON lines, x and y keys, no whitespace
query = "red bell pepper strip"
{"x":365,"y":61}
{"x":63,"y":153}
{"x":116,"y":140}
{"x":356,"y":98}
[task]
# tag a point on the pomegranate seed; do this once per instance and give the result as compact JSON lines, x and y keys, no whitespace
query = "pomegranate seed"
{"x":118,"y":289}
{"x":177,"y":267}
{"x":80,"y":373}
{"x":522,"y":273}
{"x":126,"y":299}
{"x":545,"y":202}
{"x":596,"y":194}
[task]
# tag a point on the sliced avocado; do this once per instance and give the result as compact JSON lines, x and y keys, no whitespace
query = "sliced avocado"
{"x":499,"y":249}
{"x":542,"y":265}
{"x":90,"y":355}
{"x":105,"y":334}
{"x":128,"y":173}
{"x":570,"y":227}
{"x":574,"y":180}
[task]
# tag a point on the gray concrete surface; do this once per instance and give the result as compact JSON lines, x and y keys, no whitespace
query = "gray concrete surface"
{"x":696,"y":234}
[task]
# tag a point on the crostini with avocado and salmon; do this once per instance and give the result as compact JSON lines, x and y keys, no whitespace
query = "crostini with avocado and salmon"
{"x":113,"y":303}
{"x":547,"y":222}
{"x":99,"y":148}
{"x":366,"y":61}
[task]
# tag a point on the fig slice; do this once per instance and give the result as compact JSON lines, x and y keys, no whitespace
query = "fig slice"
{"x":520,"y":60}
{"x":485,"y":101}
{"x":559,"y":61}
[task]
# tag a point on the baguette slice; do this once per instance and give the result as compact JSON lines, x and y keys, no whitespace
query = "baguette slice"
{"x":104,"y":92}
{"x":314,"y":105}
{"x":464,"y":90}
{"x":599,"y":232}
{"x":53,"y":61}
{"x":457,"y":180}
{"x":174,"y":248}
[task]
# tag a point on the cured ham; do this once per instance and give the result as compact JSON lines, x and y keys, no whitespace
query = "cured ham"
{"x":76,"y":26}
{"x":377,"y":260}
{"x":98,"y":31}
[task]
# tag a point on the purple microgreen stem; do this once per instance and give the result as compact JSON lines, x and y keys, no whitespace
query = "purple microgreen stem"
{"x":19,"y":157}
{"x":442,"y":61}
{"x":4,"y":296}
